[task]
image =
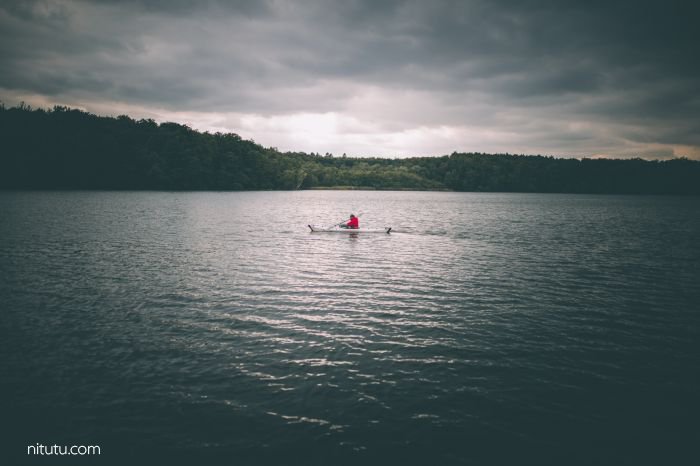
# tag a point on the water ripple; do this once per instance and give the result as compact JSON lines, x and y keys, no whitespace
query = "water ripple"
{"x":503,"y":319}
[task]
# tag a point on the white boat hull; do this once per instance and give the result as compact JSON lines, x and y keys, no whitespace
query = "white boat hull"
{"x":315,"y":229}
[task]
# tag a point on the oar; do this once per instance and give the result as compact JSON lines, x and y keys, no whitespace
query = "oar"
{"x":339,"y":223}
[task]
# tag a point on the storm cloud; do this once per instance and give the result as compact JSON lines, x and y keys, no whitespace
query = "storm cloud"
{"x":390,"y":78}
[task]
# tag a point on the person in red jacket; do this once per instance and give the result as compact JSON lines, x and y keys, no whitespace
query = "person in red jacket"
{"x":353,"y":223}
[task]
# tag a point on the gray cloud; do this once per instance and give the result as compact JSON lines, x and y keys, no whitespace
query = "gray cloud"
{"x":565,"y":77}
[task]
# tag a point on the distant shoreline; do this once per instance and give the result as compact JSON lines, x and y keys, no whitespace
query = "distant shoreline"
{"x":369,"y":188}
{"x":351,"y":188}
{"x":64,"y":148}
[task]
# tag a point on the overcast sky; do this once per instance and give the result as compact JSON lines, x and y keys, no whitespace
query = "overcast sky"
{"x":371,"y":77}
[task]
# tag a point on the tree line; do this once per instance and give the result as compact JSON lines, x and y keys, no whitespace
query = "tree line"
{"x":64,"y":148}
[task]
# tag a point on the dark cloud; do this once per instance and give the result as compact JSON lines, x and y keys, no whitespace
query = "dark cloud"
{"x":568,"y":76}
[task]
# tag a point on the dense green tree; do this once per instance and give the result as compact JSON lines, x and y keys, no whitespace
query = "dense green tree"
{"x":63,"y":148}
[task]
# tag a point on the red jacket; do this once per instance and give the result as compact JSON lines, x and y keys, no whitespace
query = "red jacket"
{"x":354,"y":222}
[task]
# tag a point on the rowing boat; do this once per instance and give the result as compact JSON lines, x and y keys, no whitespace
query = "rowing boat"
{"x":316,"y":229}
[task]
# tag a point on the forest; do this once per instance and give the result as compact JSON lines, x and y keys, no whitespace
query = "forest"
{"x":64,"y":148}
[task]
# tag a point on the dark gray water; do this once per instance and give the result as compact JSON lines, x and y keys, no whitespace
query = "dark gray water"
{"x":214,"y":328}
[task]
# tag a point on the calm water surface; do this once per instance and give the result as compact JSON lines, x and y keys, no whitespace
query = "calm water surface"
{"x":214,"y":328}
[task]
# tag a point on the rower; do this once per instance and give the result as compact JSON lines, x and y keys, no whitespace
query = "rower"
{"x":353,"y":223}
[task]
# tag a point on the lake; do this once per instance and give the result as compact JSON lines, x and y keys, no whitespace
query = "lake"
{"x":215,"y":328}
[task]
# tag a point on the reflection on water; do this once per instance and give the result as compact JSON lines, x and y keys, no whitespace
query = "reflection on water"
{"x":485,"y":328}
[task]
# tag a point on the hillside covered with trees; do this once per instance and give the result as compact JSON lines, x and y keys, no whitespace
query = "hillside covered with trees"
{"x":64,"y":148}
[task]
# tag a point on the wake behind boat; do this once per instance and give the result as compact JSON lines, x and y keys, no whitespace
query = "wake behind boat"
{"x":337,"y":229}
